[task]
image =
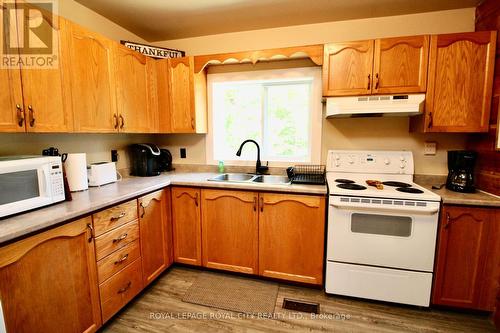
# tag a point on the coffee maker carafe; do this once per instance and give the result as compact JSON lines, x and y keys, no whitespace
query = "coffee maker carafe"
{"x":461,"y":170}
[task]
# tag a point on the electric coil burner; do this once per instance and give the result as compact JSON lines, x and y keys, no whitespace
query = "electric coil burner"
{"x":381,"y":240}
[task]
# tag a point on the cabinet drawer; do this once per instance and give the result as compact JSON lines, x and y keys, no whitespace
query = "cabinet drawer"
{"x":114,"y":217}
{"x":117,"y":260}
{"x":116,"y":239}
{"x":120,"y":289}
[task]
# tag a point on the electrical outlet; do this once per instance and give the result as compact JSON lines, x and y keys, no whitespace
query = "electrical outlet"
{"x":430,"y":148}
{"x":114,"y":155}
{"x":183,"y":152}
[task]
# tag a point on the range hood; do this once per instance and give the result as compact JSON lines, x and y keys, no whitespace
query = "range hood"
{"x":383,"y":105}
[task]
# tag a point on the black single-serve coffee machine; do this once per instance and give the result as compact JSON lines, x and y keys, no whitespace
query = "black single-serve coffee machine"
{"x":461,"y":170}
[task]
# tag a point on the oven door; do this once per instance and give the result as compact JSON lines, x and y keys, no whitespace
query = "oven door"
{"x":382,"y":235}
{"x":24,"y":187}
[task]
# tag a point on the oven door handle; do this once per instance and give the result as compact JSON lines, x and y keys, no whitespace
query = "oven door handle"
{"x":372,"y":207}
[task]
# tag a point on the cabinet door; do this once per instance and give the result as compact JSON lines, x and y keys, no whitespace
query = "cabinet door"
{"x":11,"y":101}
{"x":400,"y":65}
{"x":461,"y":257}
{"x":347,"y":68}
{"x":46,"y":98}
{"x":133,"y":91}
{"x":90,"y":80}
{"x":460,"y":82}
{"x":163,"y":95}
{"x":182,"y":95}
{"x":156,"y":234}
{"x":186,"y":220}
{"x":230,"y":236}
{"x":48,"y":282}
{"x":291,"y":237}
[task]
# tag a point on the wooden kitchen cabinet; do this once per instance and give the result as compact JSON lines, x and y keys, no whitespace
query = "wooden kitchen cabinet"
{"x":156,"y":234}
{"x":48,"y":282}
{"x":135,"y":80}
{"x":12,"y":118}
{"x":291,"y":237}
{"x":460,"y":83}
{"x":188,"y":99}
{"x":230,"y":230}
{"x":467,"y":271}
{"x":91,"y":80}
{"x":347,"y":68}
{"x":163,"y":96}
{"x":186,"y":221}
{"x":400,"y":65}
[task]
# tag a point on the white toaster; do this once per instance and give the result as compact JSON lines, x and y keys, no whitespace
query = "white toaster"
{"x":101,"y":173}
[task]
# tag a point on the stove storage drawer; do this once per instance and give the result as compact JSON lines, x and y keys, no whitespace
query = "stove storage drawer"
{"x":385,"y":284}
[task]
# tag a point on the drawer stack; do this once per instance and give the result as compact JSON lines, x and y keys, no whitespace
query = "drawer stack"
{"x":118,"y":256}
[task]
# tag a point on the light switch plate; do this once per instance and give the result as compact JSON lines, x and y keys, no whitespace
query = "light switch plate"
{"x":430,"y":148}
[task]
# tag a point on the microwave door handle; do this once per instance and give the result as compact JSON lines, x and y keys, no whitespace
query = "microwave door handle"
{"x":375,"y":208}
{"x":43,"y":182}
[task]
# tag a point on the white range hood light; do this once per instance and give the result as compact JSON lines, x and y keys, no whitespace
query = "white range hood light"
{"x":384,"y":105}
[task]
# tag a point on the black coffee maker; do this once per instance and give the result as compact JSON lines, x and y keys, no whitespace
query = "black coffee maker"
{"x":461,"y":170}
{"x":144,"y":158}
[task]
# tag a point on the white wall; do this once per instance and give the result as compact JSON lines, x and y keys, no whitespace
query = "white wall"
{"x":369,"y":133}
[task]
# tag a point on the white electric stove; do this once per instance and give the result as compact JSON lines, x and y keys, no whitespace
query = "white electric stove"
{"x":381,"y":239}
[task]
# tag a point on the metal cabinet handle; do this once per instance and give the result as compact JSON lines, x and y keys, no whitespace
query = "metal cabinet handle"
{"x":254,"y":204}
{"x":122,"y":259}
{"x":377,"y":81}
{"x":116,"y":121}
{"x":192,"y":123}
{"x":196,"y":199}
{"x":123,"y":122}
{"x":449,"y":219}
{"x":369,"y":81}
{"x":91,"y":229}
{"x":32,"y":115}
{"x":122,"y":237}
{"x":124,"y":289}
{"x":430,"y":120}
{"x":20,"y":115}
{"x":261,"y":204}
{"x":143,"y":209}
{"x":116,"y":218}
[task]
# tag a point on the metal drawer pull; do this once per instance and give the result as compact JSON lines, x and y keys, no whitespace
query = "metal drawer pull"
{"x":115,"y":218}
{"x":89,"y":226}
{"x":122,"y":237}
{"x":124,"y":289}
{"x":125,"y":257}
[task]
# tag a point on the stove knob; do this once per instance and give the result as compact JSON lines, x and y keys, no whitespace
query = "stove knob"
{"x":337,"y":163}
{"x":402,"y":159}
{"x":402,"y":165}
{"x":387,"y":161}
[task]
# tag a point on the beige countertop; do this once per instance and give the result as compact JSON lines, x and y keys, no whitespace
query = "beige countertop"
{"x":97,"y":198}
{"x":479,"y":198}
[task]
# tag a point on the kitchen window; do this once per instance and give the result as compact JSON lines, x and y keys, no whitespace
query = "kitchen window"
{"x":280,"y":109}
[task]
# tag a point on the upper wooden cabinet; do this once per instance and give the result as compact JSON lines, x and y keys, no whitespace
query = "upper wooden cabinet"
{"x":186,"y":221}
{"x":48,"y":282}
{"x":460,"y":83}
{"x":91,"y":79}
{"x":188,"y":97}
{"x":156,"y":234}
{"x":230,"y":236}
{"x":163,"y":95}
{"x":400,"y":65}
{"x":135,"y":85}
{"x":347,"y":68}
{"x":381,"y":66}
{"x":467,"y":269}
{"x":12,"y":117}
{"x":292,"y":237}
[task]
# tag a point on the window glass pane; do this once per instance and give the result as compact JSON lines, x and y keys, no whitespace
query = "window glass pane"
{"x":237,"y":116}
{"x":381,"y":224}
{"x":287,"y":117}
{"x":20,"y":185}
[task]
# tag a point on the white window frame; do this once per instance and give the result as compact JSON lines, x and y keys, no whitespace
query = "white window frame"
{"x":291,"y":74}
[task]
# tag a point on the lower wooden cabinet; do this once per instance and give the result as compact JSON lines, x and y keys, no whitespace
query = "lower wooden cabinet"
{"x":467,"y":268}
{"x":291,"y":237}
{"x":230,"y":230}
{"x":48,"y":282}
{"x":156,"y":234}
{"x":186,"y":221}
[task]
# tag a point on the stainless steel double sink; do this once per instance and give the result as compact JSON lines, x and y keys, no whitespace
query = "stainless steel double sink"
{"x":249,"y":178}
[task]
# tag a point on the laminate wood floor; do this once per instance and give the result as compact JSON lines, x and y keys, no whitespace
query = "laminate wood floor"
{"x":160,"y":309}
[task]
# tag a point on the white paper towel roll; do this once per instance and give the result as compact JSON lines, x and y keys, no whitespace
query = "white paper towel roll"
{"x":76,"y":172}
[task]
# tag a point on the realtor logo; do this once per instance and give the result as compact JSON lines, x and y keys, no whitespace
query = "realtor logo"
{"x":29,"y":34}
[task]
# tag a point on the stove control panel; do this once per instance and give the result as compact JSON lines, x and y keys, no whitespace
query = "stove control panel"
{"x":383,"y":162}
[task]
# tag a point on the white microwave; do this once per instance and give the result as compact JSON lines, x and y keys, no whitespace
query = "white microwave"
{"x":29,"y":182}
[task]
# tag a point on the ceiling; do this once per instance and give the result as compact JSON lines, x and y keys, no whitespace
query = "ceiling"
{"x":156,"y":20}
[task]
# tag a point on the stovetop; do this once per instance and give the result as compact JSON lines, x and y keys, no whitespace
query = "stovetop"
{"x":355,"y":185}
